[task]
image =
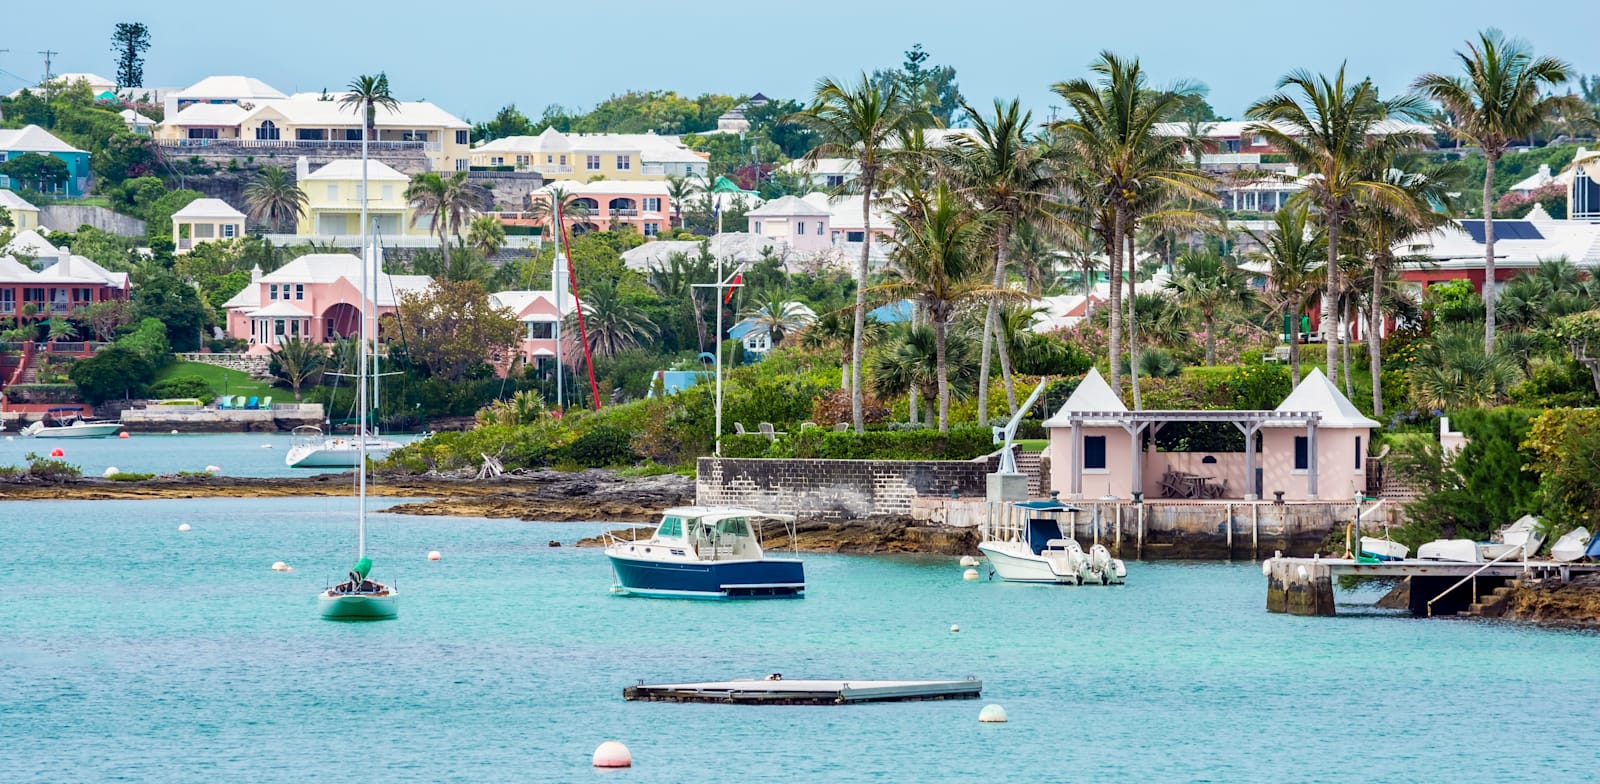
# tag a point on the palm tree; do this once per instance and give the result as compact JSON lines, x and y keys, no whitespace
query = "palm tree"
{"x":1454,"y":370}
{"x":1293,"y":253}
{"x":1499,"y":100}
{"x":939,"y":262}
{"x":61,"y":329}
{"x":614,"y":323}
{"x":1114,"y":139}
{"x":1332,"y":131}
{"x":274,"y":197}
{"x":679,"y":189}
{"x":543,"y":210}
{"x":295,"y":361}
{"x":486,"y":235}
{"x":1207,"y":284}
{"x":858,"y":121}
{"x":1007,"y":173}
{"x":909,"y":364}
{"x":365,"y":94}
{"x":775,"y":314}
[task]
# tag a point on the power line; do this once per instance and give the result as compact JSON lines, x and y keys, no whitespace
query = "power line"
{"x":47,"y":55}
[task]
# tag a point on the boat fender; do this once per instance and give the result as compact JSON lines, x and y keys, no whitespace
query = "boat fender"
{"x":970,"y":575}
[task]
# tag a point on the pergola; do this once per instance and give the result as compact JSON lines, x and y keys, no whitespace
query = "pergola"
{"x":1135,"y":423}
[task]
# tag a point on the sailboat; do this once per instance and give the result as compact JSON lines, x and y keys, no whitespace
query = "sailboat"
{"x":361,"y":598}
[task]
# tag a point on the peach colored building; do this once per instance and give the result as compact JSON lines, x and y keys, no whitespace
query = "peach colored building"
{"x":1312,"y":446}
{"x":803,"y":225}
{"x":610,"y":204}
{"x":315,"y":297}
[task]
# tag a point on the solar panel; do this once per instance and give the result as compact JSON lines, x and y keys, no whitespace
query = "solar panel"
{"x":1503,"y":230}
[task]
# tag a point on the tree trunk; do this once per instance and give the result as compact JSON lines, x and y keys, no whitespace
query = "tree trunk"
{"x":1294,"y":355}
{"x":1211,"y":338}
{"x":1133,"y":323}
{"x":911,"y":405}
{"x":1348,"y":317}
{"x":1116,"y":299}
{"x":1330,"y":292}
{"x":858,"y":340}
{"x":943,"y":375}
{"x":1380,"y":271}
{"x":1490,"y":158}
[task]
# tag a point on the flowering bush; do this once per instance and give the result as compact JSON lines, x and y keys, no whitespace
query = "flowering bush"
{"x":1553,"y":195}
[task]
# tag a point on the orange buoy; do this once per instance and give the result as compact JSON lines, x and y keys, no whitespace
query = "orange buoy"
{"x":123,"y":434}
{"x":58,"y":452}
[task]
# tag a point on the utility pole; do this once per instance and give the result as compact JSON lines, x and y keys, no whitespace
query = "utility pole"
{"x":47,"y":55}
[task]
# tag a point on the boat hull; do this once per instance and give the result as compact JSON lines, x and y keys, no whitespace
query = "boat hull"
{"x":347,"y":456}
{"x":1017,"y":567}
{"x":1383,"y":549}
{"x":1459,"y":550}
{"x":1572,"y":546}
{"x":359,"y":607}
{"x":769,"y":578}
{"x":105,"y":430}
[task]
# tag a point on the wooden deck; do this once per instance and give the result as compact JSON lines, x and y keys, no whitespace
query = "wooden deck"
{"x":804,"y":692}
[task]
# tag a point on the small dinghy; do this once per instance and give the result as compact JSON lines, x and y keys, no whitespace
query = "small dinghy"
{"x":1572,"y":546}
{"x":1521,"y":538}
{"x":1383,"y":549}
{"x":1459,"y":550}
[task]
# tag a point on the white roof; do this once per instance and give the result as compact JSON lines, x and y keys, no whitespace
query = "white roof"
{"x":228,"y":87}
{"x":824,"y":166}
{"x":132,"y":117}
{"x":1317,"y":393}
{"x":1541,"y":178}
{"x":608,"y":187}
{"x":32,"y":138}
{"x":651,"y":148}
{"x":349,"y":169}
{"x":216,"y":209}
{"x":844,"y":212}
{"x":201,"y":114}
{"x":1515,"y":243}
{"x":97,"y":83}
{"x":12,"y":201}
{"x":329,"y":268}
{"x":82,"y":269}
{"x":333,"y":114}
{"x":734,"y":246}
{"x":280,"y":309}
{"x":788,"y":206}
{"x":13,"y":271}
{"x":1232,"y":129}
{"x":1093,"y":395}
{"x":30,"y":243}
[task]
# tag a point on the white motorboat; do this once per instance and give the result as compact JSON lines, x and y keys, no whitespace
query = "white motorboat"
{"x":1459,"y":550}
{"x":706,"y":552}
{"x":1034,"y":549}
{"x":1383,"y":549}
{"x":69,"y":423}
{"x":312,"y":448}
{"x":1571,"y":546}
{"x":1521,"y":538}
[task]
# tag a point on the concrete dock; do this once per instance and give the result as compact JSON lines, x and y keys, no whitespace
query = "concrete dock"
{"x":803,"y":692}
{"x":1304,"y":586}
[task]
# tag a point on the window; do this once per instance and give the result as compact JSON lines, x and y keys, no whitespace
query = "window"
{"x":549,"y":159}
{"x":652,"y":204}
{"x":328,"y":334}
{"x":229,"y":231}
{"x":268,"y":131}
{"x":670,"y":526}
{"x":855,"y":236}
{"x":522,"y":160}
{"x":1258,"y":141}
{"x":733,"y":526}
{"x":311,"y":134}
{"x":353,"y":135}
{"x":652,"y":229}
{"x":592,"y":163}
{"x":497,"y":160}
{"x":333,"y":193}
{"x":461,"y":164}
{"x":1094,"y":453}
{"x":461,"y":137}
{"x":624,"y":163}
{"x":563,"y":160}
{"x":273,"y":292}
{"x":1358,"y":453}
{"x":800,"y":227}
{"x":1302,"y":453}
{"x":202,"y":133}
{"x":388,"y":192}
{"x":819,"y":228}
{"x":834,"y":181}
{"x":299,"y":291}
{"x":413,"y":136}
{"x":541,"y":330}
{"x":758,"y":227}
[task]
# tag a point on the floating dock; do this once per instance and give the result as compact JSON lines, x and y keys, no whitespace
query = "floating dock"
{"x":804,"y":692}
{"x":1304,"y":586}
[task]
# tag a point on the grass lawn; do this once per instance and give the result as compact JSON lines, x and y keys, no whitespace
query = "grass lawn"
{"x":237,"y":382}
{"x":1032,"y":444}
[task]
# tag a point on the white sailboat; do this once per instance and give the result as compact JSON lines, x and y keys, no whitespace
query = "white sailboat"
{"x":360,"y":598}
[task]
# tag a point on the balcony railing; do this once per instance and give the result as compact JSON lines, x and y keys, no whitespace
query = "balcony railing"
{"x":339,"y":145}
{"x":626,"y":212}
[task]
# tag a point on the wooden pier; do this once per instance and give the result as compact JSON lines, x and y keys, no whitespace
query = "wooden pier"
{"x":803,"y":692}
{"x":1304,"y":586}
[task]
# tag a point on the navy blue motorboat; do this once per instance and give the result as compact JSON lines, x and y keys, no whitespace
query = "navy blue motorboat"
{"x":706,"y":552}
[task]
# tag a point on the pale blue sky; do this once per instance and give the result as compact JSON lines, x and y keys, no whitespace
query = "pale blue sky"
{"x":473,"y":57}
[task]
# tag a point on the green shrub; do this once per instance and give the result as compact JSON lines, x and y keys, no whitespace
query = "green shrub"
{"x":182,"y":387}
{"x":127,"y":477}
{"x":601,"y":447}
{"x":50,"y":469}
{"x":42,"y":393}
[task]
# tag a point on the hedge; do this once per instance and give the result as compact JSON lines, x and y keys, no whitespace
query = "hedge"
{"x":42,"y":393}
{"x":961,"y":443}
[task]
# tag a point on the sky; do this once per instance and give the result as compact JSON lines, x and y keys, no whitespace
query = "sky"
{"x":494,"y":52}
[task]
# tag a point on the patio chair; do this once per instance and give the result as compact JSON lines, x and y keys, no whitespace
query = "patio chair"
{"x":225,"y":403}
{"x":807,"y":425}
{"x":738,"y":429}
{"x":251,"y":405}
{"x":841,"y":427}
{"x":768,"y":430}
{"x":266,"y":402}
{"x":238,"y":401}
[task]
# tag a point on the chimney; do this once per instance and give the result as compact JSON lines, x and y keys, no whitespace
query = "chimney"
{"x":302,"y":168}
{"x":1544,"y":171}
{"x":66,"y":261}
{"x":255,"y":274}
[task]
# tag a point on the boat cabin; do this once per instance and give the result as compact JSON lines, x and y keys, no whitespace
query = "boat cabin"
{"x":712,"y":534}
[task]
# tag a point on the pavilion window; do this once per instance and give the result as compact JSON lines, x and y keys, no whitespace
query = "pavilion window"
{"x":299,"y":291}
{"x":1358,"y":453}
{"x":272,"y":293}
{"x":1302,"y":453}
{"x":1094,"y":452}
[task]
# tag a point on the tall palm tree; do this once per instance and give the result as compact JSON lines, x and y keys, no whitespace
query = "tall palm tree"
{"x":939,"y":262}
{"x":857,"y":121}
{"x":1007,"y":173}
{"x":614,"y":323}
{"x":274,"y":197}
{"x":1332,"y":130}
{"x":1113,"y":136}
{"x":909,"y":363}
{"x":366,"y":94}
{"x":296,"y":361}
{"x":1207,"y":284}
{"x":679,"y":189}
{"x":1294,"y":252}
{"x":1500,"y":99}
{"x":486,"y":234}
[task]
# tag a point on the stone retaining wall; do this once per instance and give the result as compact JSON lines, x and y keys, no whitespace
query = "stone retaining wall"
{"x":185,"y":419}
{"x":836,"y":489}
{"x":254,"y":364}
{"x":69,"y":217}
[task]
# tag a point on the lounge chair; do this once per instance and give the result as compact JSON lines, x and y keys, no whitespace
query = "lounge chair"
{"x":266,"y":402}
{"x":238,"y":401}
{"x":252,"y":404}
{"x":738,"y":429}
{"x":224,"y":403}
{"x":769,"y":431}
{"x":841,"y":427}
{"x":807,"y":425}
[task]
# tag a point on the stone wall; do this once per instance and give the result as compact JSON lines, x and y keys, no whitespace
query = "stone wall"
{"x":254,"y":364}
{"x":836,"y":489}
{"x":62,"y":217}
{"x":509,"y":189}
{"x":195,"y":419}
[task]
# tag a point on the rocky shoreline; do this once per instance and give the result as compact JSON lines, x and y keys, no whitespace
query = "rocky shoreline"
{"x":1571,"y":604}
{"x":879,"y":535}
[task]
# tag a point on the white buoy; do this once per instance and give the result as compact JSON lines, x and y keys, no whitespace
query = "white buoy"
{"x":110,"y":472}
{"x":992,"y":714}
{"x":184,"y":528}
{"x":211,"y":469}
{"x":174,"y":431}
{"x":954,"y":628}
{"x":433,"y":555}
{"x":266,"y":446}
{"x":967,"y":560}
{"x":969,"y":575}
{"x":1266,"y":567}
{"x":612,"y":754}
{"x":279,"y":566}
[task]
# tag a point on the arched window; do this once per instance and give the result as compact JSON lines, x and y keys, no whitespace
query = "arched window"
{"x":268,"y":131}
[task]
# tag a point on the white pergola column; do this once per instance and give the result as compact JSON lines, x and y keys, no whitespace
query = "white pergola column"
{"x":1311,"y":460}
{"x":1077,"y":458}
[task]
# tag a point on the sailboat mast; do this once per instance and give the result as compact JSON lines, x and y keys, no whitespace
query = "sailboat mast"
{"x":361,"y":382}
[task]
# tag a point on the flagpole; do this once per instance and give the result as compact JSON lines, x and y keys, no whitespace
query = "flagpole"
{"x":720,"y":286}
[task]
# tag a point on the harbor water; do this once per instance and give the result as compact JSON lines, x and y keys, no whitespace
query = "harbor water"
{"x":132,"y":652}
{"x":237,"y":454}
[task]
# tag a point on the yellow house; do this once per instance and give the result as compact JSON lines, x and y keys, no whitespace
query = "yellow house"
{"x":24,"y":216}
{"x":333,"y":201}
{"x":585,"y":157}
{"x":313,"y":122}
{"x":205,"y":220}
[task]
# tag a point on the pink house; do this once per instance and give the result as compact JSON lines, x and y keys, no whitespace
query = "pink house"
{"x":315,"y":298}
{"x":803,"y":225}
{"x":606,"y":205}
{"x":541,"y":322}
{"x":1313,"y":445}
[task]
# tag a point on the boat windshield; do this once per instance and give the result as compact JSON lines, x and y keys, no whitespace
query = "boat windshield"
{"x":670,"y":527}
{"x":733,"y":526}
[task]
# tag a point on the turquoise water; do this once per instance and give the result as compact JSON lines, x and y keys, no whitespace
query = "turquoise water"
{"x":131,"y":652}
{"x":237,"y":454}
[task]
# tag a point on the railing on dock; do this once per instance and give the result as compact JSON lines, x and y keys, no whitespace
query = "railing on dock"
{"x":1497,"y":559}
